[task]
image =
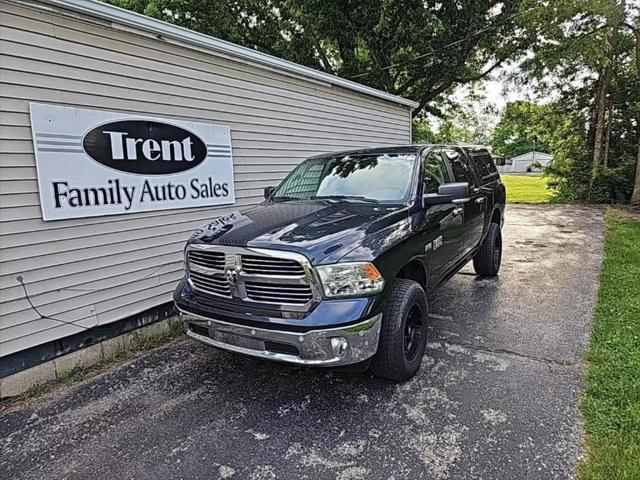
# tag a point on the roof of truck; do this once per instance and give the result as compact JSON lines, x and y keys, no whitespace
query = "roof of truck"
{"x":400,"y":149}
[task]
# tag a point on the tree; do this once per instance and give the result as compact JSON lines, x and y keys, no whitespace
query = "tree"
{"x":462,"y":124}
{"x":417,"y":49}
{"x":523,"y":127}
{"x":635,"y":29}
{"x":582,"y":53}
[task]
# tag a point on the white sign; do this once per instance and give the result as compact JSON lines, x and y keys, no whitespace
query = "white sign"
{"x":92,"y":162}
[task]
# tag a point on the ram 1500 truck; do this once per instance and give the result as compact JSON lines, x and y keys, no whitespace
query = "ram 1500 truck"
{"x":337,"y":265}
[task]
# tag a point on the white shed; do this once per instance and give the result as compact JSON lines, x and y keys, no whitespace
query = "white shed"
{"x":524,"y":162}
{"x":69,"y":66}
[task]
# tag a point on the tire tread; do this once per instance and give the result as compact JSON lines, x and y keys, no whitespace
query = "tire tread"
{"x":384,"y":363}
{"x":483,"y":259}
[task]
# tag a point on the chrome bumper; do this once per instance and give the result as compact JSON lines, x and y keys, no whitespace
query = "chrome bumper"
{"x":329,"y":347}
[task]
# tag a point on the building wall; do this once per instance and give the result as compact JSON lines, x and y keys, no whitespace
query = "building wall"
{"x":520,"y":163}
{"x":98,"y":270}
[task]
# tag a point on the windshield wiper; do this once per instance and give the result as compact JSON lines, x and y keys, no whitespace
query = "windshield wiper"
{"x":344,"y":197}
{"x":284,"y":198}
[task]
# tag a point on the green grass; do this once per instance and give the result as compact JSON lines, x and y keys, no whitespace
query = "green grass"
{"x":611,"y":401}
{"x":527,"y":189}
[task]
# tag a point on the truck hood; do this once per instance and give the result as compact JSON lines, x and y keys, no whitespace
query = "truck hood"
{"x":322,"y":230}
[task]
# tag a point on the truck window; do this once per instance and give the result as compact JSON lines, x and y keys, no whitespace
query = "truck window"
{"x":484,"y":166}
{"x":303,"y":182}
{"x":382,"y":177}
{"x":434,"y":172}
{"x":459,"y":167}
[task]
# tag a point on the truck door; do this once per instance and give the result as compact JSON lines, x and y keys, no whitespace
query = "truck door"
{"x":443,"y":234}
{"x":475,"y":205}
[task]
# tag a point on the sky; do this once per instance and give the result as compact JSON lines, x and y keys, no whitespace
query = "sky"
{"x":497,"y":90}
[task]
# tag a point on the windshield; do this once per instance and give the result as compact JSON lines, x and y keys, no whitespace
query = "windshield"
{"x":383,"y":178}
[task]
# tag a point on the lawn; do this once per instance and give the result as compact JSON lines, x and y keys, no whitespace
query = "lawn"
{"x":611,"y":401}
{"x":526,"y":189}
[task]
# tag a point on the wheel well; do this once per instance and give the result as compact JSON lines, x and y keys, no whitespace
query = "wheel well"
{"x":413,"y":271}
{"x":495,"y":218}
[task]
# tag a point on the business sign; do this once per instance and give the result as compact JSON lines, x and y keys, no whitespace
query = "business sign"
{"x":92,"y":162}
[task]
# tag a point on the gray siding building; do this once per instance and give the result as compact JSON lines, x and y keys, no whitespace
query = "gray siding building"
{"x":94,"y":271}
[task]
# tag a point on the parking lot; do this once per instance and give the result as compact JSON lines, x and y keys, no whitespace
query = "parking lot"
{"x":496,"y":396}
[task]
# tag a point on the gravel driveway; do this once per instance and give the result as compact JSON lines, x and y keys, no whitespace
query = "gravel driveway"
{"x":495,"y":398}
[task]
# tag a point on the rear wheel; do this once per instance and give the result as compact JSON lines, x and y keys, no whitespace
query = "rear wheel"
{"x":403,"y":334}
{"x":487,"y":260}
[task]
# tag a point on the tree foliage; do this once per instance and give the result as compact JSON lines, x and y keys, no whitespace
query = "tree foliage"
{"x":581,"y":52}
{"x":583,"y":55}
{"x":523,"y":127}
{"x":420,"y":49}
{"x":462,"y":124}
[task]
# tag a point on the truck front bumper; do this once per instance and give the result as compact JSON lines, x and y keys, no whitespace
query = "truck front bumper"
{"x":323,"y":347}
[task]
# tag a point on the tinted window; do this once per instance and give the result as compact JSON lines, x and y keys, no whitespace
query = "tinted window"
{"x":461,"y":171}
{"x":485,"y":166}
{"x":434,"y":172}
{"x":377,"y":177}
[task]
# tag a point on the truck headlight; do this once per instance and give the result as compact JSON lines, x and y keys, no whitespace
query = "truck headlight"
{"x":350,"y":279}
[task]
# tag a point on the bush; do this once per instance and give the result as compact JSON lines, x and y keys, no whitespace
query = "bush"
{"x":613,"y":184}
{"x":572,"y":180}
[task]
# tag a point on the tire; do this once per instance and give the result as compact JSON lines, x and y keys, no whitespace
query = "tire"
{"x":487,"y":261}
{"x":398,"y":357}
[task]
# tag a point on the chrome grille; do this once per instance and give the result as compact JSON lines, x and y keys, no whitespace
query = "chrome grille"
{"x":217,"y":285}
{"x":207,"y":259}
{"x":279,"y":293}
{"x":280,"y":279}
{"x":258,"y":265}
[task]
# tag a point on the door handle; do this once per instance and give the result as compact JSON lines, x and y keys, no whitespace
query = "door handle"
{"x":480,"y":199}
{"x":457,"y":211}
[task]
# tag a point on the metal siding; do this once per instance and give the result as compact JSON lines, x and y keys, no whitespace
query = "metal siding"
{"x":99,"y":270}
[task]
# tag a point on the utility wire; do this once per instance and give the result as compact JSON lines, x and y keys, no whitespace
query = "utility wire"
{"x":449,"y":45}
{"x":150,"y":274}
{"x":27,"y":297}
{"x":46,"y":317}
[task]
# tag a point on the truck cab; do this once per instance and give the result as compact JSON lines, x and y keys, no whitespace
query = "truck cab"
{"x":335,"y":267}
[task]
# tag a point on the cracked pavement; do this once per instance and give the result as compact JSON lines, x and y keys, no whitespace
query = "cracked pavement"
{"x":496,"y":396}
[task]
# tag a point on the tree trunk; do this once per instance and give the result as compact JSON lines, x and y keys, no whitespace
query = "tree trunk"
{"x":602,"y":100}
{"x":600,"y":115}
{"x":635,"y":197}
{"x":602,"y":120}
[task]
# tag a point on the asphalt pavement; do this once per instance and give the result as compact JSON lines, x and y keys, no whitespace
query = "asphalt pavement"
{"x":496,"y":397}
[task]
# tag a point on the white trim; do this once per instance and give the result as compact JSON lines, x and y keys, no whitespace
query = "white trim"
{"x":530,"y":154}
{"x":134,"y":20}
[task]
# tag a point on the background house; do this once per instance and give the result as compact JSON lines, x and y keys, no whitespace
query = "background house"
{"x":523,"y":163}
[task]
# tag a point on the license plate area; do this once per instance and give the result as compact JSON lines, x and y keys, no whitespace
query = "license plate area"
{"x":237,"y":340}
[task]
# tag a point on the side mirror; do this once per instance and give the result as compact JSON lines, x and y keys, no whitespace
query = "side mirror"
{"x":447,"y":193}
{"x":268,"y":192}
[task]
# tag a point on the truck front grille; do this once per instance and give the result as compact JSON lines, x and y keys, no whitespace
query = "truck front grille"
{"x":243,"y":275}
{"x":207,"y":259}
{"x":214,"y":284}
{"x":255,"y":265}
{"x":278,"y":293}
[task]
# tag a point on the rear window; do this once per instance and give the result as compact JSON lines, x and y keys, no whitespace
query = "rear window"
{"x":484,"y":165}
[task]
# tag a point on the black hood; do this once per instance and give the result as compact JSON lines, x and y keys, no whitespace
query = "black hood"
{"x":323,"y":230}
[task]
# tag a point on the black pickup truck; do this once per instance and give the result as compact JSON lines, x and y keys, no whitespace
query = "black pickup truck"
{"x":336,"y":266}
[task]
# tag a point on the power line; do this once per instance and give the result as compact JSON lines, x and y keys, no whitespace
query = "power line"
{"x":20,"y":280}
{"x":46,"y":317}
{"x":449,"y":45}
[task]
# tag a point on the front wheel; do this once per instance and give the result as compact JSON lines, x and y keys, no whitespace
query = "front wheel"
{"x":403,"y":335}
{"x":487,"y":260}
